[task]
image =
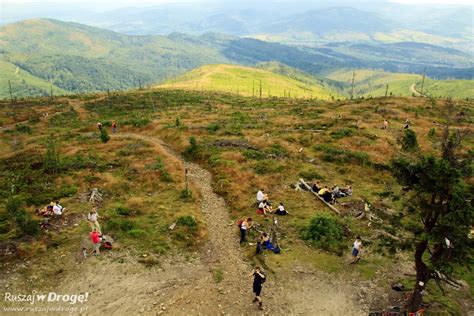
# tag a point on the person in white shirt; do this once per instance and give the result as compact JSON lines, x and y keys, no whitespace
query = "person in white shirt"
{"x":58,"y":209}
{"x":281,"y":210}
{"x":356,"y":249}
{"x":260,"y":196}
{"x":92,"y":218}
{"x":244,"y":227}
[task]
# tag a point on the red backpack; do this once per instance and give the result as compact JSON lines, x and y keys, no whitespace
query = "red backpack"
{"x":239,"y":222}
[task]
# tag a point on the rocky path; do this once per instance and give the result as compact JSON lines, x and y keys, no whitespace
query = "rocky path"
{"x":215,"y":281}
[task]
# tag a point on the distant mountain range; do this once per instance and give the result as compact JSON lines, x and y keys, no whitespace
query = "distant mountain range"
{"x":79,"y":58}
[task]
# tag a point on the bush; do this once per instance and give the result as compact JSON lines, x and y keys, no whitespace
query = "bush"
{"x":193,"y":150}
{"x":21,"y":128}
{"x":268,"y":166}
{"x":15,"y":212}
{"x":120,"y":224}
{"x":341,"y":133}
{"x":137,"y":233}
{"x":310,"y":175}
{"x":212,"y":128}
{"x":51,"y":161}
{"x":325,"y":232}
{"x":186,"y":195}
{"x":409,"y":141}
{"x":123,"y":211}
{"x":253,"y":154}
{"x":104,"y":136}
{"x":277,"y":150}
{"x":187,"y":220}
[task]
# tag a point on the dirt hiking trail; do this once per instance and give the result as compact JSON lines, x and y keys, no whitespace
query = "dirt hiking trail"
{"x":119,"y":285}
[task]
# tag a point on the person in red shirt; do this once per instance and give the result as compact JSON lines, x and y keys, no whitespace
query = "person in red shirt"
{"x":114,"y":127}
{"x":95,"y":238}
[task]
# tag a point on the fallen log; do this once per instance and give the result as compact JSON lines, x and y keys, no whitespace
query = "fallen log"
{"x":320,"y":198}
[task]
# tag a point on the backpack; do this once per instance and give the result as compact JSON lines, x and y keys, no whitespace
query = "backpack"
{"x":239,"y":222}
{"x":277,"y":250}
{"x":259,"y":249}
{"x":265,"y":278}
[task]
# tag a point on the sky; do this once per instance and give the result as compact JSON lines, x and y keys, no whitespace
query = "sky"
{"x":116,"y":3}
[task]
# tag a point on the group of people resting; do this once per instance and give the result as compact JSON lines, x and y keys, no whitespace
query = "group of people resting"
{"x":330,"y":195}
{"x":265,"y":206}
{"x":264,"y":242}
{"x":53,"y":209}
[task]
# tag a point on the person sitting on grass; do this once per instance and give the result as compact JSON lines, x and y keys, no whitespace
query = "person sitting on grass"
{"x":261,"y":208}
{"x":268,"y":207}
{"x":347,"y":191}
{"x":260,"y":196}
{"x":316,"y":187}
{"x":326,"y":194}
{"x":281,"y":210}
{"x":58,"y":210}
{"x":265,"y":242}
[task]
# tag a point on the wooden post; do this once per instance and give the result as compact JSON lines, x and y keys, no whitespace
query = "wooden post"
{"x":51,"y":94}
{"x":186,"y":180}
{"x":260,"y":88}
{"x":386,"y":90}
{"x":423,"y":82}
{"x":352,"y":84}
{"x":11,"y":94}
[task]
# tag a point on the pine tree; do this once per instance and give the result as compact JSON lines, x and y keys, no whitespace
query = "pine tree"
{"x":438,"y":191}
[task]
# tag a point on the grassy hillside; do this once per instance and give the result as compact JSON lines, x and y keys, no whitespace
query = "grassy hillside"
{"x":246,"y":81}
{"x":79,"y":58}
{"x":246,"y":144}
{"x":448,"y":88}
{"x":23,"y":83}
{"x":374,"y":82}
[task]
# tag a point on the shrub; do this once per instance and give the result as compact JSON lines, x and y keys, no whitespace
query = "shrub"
{"x":120,"y":224}
{"x":409,"y":141}
{"x":193,"y":150}
{"x":432,"y":132}
{"x":123,"y":211}
{"x":268,"y":166}
{"x":14,"y":211}
{"x":325,"y":232}
{"x":51,"y":161}
{"x":187,"y":220}
{"x":186,"y":195}
{"x":137,"y":233}
{"x":104,"y":136}
{"x":21,"y":128}
{"x":277,"y":150}
{"x":310,"y":175}
{"x":341,"y":133}
{"x":212,"y":128}
{"x":253,"y":154}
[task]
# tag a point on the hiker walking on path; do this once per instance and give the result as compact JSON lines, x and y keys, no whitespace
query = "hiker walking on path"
{"x":99,"y":126}
{"x":356,"y":250}
{"x":258,"y":280}
{"x":114,"y":127}
{"x":385,"y":124}
{"x":92,"y":218}
{"x":244,"y":227}
{"x":95,"y":238}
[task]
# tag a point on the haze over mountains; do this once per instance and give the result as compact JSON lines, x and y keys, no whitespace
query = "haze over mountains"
{"x":128,"y":47}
